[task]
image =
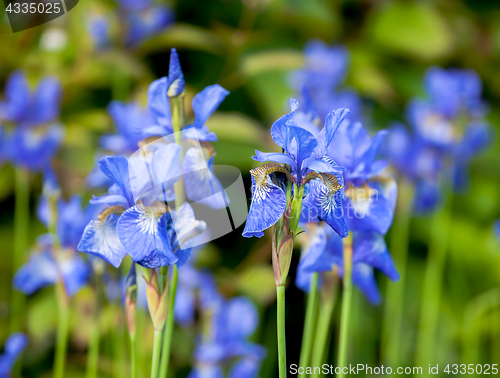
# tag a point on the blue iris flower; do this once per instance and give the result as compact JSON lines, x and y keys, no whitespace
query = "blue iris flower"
{"x":325,"y":251}
{"x":325,"y":70}
{"x":137,"y":222}
{"x":14,"y":346}
{"x":231,"y":324}
{"x":449,"y":130}
{"x":130,"y":119}
{"x":48,"y":264}
{"x":303,"y":153}
{"x":36,"y":136}
{"x":98,"y":28}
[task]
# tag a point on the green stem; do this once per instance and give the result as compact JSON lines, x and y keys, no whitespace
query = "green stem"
{"x":431,"y":294}
{"x":93,"y":352}
{"x":62,"y":333}
{"x":280,"y":291}
{"x":392,"y":322}
{"x":156,"y":353}
{"x":21,"y":228}
{"x":346,"y":306}
{"x":167,"y":341}
{"x":133,"y":356}
{"x":328,"y":299}
{"x":307,"y":337}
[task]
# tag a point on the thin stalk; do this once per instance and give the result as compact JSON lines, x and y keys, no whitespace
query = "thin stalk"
{"x":307,"y":337}
{"x":280,"y":291}
{"x":346,"y":305}
{"x":167,"y":341}
{"x":431,"y":294}
{"x":62,"y":331}
{"x":328,"y":299}
{"x":133,"y":356}
{"x":21,"y":228}
{"x":156,"y":353}
{"x":393,"y":315}
{"x":93,"y":352}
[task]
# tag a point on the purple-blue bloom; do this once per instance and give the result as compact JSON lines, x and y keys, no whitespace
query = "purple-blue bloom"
{"x":303,"y":153}
{"x":232,"y":322}
{"x":36,"y":135}
{"x":324,"y":251}
{"x":496,"y":227}
{"x":14,"y":346}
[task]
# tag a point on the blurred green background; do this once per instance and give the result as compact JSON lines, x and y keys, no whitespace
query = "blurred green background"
{"x":250,"y":47}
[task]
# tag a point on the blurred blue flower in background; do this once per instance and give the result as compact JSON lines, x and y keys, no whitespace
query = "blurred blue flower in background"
{"x":496,"y":227}
{"x":14,"y":346}
{"x":144,"y":18}
{"x":36,"y":135}
{"x":324,"y":252}
{"x":325,"y":71}
{"x":230,"y":326}
{"x":98,"y":28}
{"x":449,"y":129}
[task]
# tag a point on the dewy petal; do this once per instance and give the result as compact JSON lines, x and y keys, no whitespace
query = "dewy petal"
{"x":40,"y":271}
{"x":327,"y":204}
{"x":100,"y":238}
{"x":116,"y":168}
{"x":370,"y":248}
{"x":138,"y":230}
{"x":206,"y":102}
{"x":176,"y":82}
{"x":200,"y":183}
{"x":17,"y":97}
{"x":158,"y":102}
{"x":45,"y":101}
{"x":267,"y":207}
{"x":364,"y":279}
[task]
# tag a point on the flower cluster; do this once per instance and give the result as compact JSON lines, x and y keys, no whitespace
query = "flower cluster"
{"x":36,"y":135}
{"x":449,"y":129}
{"x":137,"y":219}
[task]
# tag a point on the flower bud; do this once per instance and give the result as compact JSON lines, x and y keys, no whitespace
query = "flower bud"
{"x":282,"y":256}
{"x":157,"y":302}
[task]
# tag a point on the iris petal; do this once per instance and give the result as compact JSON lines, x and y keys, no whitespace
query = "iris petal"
{"x":206,"y":102}
{"x":364,"y":279}
{"x":100,"y":238}
{"x":45,"y":101}
{"x":370,"y":248}
{"x":39,"y":271}
{"x":116,"y":168}
{"x":267,"y":207}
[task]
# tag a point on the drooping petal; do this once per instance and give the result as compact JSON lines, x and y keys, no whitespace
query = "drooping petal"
{"x":370,"y":248}
{"x":364,"y":279}
{"x":40,"y":271}
{"x":325,"y":251}
{"x":326,"y":201}
{"x":268,"y":204}
{"x":138,"y":230}
{"x":100,"y":238}
{"x":275,"y":157}
{"x":206,"y":102}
